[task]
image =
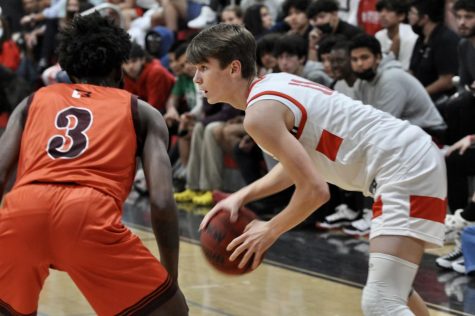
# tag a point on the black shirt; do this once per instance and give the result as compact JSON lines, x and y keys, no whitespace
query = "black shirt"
{"x":467,"y":62}
{"x":347,"y":30}
{"x":437,"y":57}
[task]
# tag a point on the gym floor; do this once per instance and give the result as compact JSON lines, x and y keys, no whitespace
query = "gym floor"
{"x":306,"y":272}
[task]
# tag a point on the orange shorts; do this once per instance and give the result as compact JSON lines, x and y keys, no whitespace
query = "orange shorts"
{"x":77,"y":230}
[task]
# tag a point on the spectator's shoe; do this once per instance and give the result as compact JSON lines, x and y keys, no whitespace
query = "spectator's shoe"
{"x":186,"y":196}
{"x":454,"y":225}
{"x":446,"y":261}
{"x":459,"y":265}
{"x":206,"y":198}
{"x":219,"y":195}
{"x":343,"y":216}
{"x":206,"y":18}
{"x":360,"y":227}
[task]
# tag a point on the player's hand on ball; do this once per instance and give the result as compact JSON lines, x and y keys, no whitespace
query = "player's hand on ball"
{"x":256,"y":239}
{"x":232,"y":204}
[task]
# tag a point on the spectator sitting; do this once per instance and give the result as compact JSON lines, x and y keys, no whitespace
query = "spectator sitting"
{"x":232,"y":14}
{"x":295,"y":17}
{"x":323,"y":16}
{"x":381,"y":80}
{"x":266,"y":61}
{"x":291,"y":53}
{"x":324,"y":49}
{"x":434,"y":60}
{"x":344,"y":76}
{"x":257,"y":20}
{"x":9,"y":50}
{"x":396,"y":37}
{"x":147,"y":78}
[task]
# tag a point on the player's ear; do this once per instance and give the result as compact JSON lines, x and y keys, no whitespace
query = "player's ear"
{"x":235,"y":67}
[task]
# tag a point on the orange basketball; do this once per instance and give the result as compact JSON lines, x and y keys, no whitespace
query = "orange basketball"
{"x":218,"y":234}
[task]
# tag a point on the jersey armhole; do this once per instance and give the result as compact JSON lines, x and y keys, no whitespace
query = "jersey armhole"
{"x":137,"y":125}
{"x":26,"y":110}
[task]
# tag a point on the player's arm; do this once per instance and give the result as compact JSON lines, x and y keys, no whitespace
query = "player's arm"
{"x":268,"y":123}
{"x":10,"y":143}
{"x":157,"y":169}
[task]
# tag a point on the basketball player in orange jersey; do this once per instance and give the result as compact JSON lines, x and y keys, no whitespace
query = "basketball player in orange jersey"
{"x":320,"y":136}
{"x":76,"y":147}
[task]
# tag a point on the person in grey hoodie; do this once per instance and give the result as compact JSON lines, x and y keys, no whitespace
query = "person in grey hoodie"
{"x":383,"y":83}
{"x":291,"y":53}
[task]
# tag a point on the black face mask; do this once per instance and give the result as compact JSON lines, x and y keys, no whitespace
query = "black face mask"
{"x":325,"y":28}
{"x":367,"y":75}
{"x":418,"y":29}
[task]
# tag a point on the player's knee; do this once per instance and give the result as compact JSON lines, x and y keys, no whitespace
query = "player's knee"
{"x":377,"y":301}
{"x":389,"y":284}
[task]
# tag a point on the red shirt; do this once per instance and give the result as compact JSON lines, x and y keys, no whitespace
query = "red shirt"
{"x":10,"y":55}
{"x":154,"y":84}
{"x":83,"y":134}
{"x":368,"y":17}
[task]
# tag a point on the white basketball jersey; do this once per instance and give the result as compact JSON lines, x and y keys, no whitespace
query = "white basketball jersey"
{"x":349,"y":142}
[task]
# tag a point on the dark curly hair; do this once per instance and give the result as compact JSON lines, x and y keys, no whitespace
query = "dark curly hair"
{"x":92,"y":47}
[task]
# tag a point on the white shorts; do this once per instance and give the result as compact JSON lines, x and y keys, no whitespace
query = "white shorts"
{"x":410,"y":200}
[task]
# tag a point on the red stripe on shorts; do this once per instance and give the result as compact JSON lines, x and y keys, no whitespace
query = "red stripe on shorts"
{"x":378,"y":207}
{"x":329,"y":144}
{"x":426,"y":207}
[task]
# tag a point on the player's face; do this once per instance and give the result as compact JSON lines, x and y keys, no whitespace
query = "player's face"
{"x":389,"y":18}
{"x":340,"y":64}
{"x":362,"y":59}
{"x":213,"y":81}
{"x":289,"y":63}
{"x":465,"y":23}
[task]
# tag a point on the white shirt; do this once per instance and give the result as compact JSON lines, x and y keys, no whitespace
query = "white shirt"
{"x":349,"y":142}
{"x":407,"y":42}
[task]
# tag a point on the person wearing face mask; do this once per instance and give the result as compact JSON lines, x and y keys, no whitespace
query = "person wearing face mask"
{"x":383,"y":83}
{"x":323,"y":16}
{"x":434,"y":60}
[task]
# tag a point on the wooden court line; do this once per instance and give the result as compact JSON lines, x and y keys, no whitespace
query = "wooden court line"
{"x":303,"y":271}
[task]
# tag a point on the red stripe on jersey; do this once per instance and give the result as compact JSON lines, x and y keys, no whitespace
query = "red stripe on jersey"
{"x":426,"y":207}
{"x":329,"y":144}
{"x":312,"y":85}
{"x":295,"y":102}
{"x":378,"y":207}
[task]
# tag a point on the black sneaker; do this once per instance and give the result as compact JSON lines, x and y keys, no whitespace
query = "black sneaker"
{"x":446,"y":261}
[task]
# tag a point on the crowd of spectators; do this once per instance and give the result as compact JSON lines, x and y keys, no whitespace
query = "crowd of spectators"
{"x":411,"y":58}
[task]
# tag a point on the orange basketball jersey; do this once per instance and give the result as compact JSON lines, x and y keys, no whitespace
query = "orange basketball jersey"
{"x":82,"y":134}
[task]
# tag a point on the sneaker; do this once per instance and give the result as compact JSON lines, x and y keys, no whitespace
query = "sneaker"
{"x":360,"y":227}
{"x":206,"y":18}
{"x":206,"y":198}
{"x":446,"y":261}
{"x":343,"y":216}
{"x":454,"y":225}
{"x":459,"y":265}
{"x":185,"y":196}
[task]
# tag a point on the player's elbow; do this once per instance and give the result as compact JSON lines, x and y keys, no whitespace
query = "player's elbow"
{"x":163,"y":209}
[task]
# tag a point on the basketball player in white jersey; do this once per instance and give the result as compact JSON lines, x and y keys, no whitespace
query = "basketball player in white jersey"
{"x":320,"y":136}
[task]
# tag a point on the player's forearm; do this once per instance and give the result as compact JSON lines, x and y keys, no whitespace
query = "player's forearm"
{"x":166,"y":230}
{"x":274,"y":181}
{"x":304,"y":202}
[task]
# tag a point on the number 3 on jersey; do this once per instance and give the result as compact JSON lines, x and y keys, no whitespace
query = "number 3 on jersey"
{"x":74,"y":122}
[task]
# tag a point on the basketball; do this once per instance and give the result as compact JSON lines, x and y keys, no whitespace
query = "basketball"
{"x":218,"y":234}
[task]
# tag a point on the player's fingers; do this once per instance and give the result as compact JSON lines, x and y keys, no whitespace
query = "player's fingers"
{"x":208,"y":216}
{"x":245,"y":259}
{"x":257,"y":259}
{"x":234,"y":215}
{"x":235,"y":242}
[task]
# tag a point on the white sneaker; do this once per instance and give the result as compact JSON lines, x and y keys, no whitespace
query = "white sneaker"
{"x":343,"y":216}
{"x":454,"y":224}
{"x":459,"y":265}
{"x":360,"y":227}
{"x":206,"y":18}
